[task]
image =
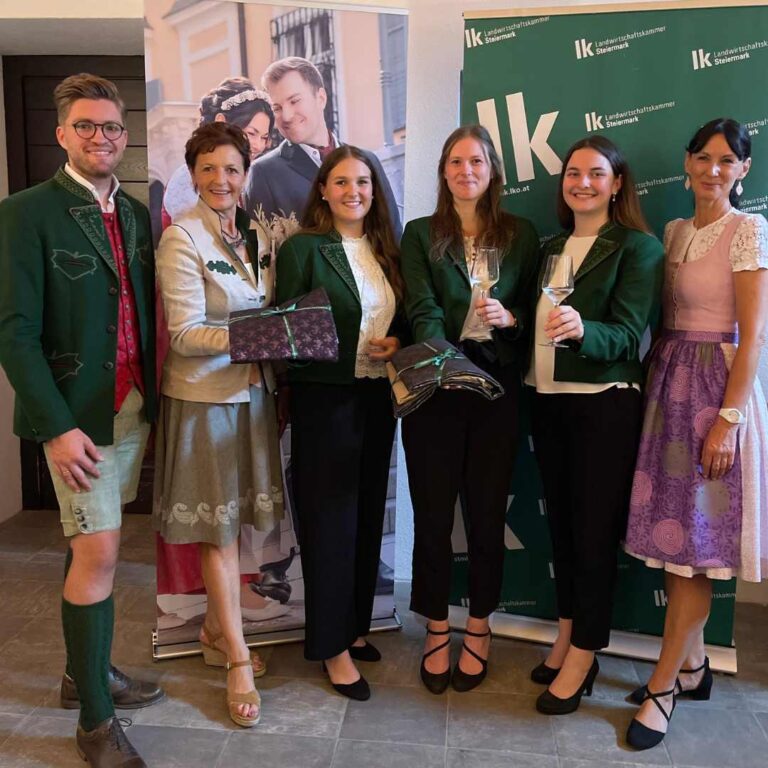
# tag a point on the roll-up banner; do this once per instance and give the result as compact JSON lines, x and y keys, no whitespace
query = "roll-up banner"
{"x":205,"y":61}
{"x":646,"y":75}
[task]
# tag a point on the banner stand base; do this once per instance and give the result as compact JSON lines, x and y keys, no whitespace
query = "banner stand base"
{"x":178,"y":650}
{"x":629,"y":644}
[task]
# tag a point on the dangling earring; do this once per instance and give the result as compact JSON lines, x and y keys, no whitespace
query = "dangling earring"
{"x":739,"y":188}
{"x":613,"y":197}
{"x":687,"y":184}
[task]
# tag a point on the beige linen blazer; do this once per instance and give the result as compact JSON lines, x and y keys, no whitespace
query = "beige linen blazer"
{"x":201,"y":281}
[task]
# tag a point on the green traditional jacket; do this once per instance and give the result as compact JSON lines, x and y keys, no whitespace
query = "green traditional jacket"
{"x":306,"y":262}
{"x":59,"y":296}
{"x":438,"y":291}
{"x":617,"y":292}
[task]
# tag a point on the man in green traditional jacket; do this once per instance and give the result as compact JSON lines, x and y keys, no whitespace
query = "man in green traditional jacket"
{"x":77,"y":344}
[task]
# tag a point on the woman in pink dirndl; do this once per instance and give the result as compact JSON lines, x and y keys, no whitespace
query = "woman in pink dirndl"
{"x":699,"y":506}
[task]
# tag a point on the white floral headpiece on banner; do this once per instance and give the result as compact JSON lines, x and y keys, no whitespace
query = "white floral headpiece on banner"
{"x":241,"y":98}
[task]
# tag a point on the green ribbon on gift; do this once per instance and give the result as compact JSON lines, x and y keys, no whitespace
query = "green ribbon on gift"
{"x":282,"y":312}
{"x":438,"y":360}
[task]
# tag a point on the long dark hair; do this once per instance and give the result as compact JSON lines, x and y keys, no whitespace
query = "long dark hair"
{"x":734,"y":133}
{"x":497,"y":226}
{"x":625,"y":210}
{"x":377,"y":225}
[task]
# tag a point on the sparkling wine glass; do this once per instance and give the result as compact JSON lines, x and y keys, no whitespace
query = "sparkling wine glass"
{"x":557,"y":284}
{"x":484,"y":272}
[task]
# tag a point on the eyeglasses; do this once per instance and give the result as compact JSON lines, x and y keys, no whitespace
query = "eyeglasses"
{"x":85,"y":129}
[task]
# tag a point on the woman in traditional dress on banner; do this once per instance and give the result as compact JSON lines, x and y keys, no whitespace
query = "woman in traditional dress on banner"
{"x":587,"y":409}
{"x":700,"y":494}
{"x":217,"y":454}
{"x":342,"y":425}
{"x":468,"y":271}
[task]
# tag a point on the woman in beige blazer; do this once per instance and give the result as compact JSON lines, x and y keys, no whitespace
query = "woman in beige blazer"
{"x":218,"y":462}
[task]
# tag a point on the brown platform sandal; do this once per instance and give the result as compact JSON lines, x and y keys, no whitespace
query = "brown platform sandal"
{"x":215,"y":657}
{"x":234,"y":700}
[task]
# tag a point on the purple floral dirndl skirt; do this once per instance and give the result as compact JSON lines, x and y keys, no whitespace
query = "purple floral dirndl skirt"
{"x":677,"y":516}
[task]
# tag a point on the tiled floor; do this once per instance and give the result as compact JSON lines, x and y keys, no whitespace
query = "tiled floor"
{"x":306,"y":725}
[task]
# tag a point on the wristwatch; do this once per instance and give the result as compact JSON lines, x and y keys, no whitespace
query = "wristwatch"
{"x":733,"y":415}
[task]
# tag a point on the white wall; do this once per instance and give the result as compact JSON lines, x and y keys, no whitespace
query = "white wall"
{"x":10,"y":467}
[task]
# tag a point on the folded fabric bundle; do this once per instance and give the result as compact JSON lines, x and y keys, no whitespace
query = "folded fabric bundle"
{"x":299,"y":329}
{"x":415,"y":372}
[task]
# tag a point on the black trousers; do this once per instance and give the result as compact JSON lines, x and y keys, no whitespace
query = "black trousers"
{"x":586,"y":447}
{"x":341,"y":444}
{"x":460,"y":442}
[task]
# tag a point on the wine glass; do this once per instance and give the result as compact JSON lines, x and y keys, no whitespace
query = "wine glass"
{"x":557,"y":285}
{"x":485,"y":269}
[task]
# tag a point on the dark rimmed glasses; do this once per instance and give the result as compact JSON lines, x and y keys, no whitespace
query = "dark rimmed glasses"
{"x":111,"y":130}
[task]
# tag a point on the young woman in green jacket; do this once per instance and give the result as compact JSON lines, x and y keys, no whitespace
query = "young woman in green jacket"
{"x":458,"y":441}
{"x":342,"y":425}
{"x":587,"y":406}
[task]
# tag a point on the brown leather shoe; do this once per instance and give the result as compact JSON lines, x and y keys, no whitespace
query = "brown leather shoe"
{"x":107,"y":746}
{"x":127,"y":693}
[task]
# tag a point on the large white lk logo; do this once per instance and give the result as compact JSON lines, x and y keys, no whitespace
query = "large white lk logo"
{"x":472,"y":36}
{"x":701,"y":59}
{"x":583,"y":48}
{"x":524,"y":145}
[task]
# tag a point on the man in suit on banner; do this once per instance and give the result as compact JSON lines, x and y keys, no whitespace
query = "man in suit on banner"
{"x":280,"y":181}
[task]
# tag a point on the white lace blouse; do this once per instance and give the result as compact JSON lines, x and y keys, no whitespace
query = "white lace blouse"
{"x":377,"y":300}
{"x":749,"y":248}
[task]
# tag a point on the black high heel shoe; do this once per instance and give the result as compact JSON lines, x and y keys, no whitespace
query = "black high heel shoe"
{"x":462,"y":681}
{"x":641,"y":736}
{"x":549,"y":704}
{"x":436,"y":682}
{"x":367,"y":652}
{"x":544,"y":675}
{"x":359,"y":690}
{"x":701,"y":692}
{"x":274,"y":579}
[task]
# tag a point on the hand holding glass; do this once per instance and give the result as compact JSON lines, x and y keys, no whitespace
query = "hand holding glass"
{"x":485,"y":270}
{"x":557,"y":284}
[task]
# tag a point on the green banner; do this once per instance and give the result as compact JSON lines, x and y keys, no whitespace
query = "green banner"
{"x":646,"y":79}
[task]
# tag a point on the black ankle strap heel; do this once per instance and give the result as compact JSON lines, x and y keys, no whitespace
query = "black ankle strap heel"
{"x":436,"y":682}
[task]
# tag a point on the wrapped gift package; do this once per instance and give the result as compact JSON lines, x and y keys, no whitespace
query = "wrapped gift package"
{"x":299,"y":329}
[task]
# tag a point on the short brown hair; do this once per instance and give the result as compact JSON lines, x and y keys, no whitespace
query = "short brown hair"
{"x":206,"y":137}
{"x":84,"y":86}
{"x":277,"y":70}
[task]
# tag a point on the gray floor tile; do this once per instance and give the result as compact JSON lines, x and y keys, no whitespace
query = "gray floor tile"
{"x":47,"y":743}
{"x":464,"y":758}
{"x":509,"y":667}
{"x":596,"y":733}
{"x":12,"y":625}
{"x":397,"y":714}
{"x":356,"y":754}
{"x":8,"y":723}
{"x":762,"y":719}
{"x":568,"y":762}
{"x":300,"y":707}
{"x":30,"y":598}
{"x":288,"y":661}
{"x":400,"y":659}
{"x":255,"y":748}
{"x":37,"y":568}
{"x":27,"y":541}
{"x":25,"y":688}
{"x":710,"y":738}
{"x":618,"y":677}
{"x":505,"y":723}
{"x":177,"y":747}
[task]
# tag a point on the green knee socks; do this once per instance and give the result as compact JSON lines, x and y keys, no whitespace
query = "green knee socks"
{"x":88,"y":637}
{"x":67,"y":565}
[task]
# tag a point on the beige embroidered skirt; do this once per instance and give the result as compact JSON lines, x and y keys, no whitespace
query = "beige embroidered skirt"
{"x":217,"y":467}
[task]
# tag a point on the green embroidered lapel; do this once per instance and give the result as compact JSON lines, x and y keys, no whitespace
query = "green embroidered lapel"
{"x":337,"y":258}
{"x":127,"y":221}
{"x":601,"y":249}
{"x":88,"y":218}
{"x":456,"y":255}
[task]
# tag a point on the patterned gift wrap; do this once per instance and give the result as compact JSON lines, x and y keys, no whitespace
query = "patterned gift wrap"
{"x":299,"y":329}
